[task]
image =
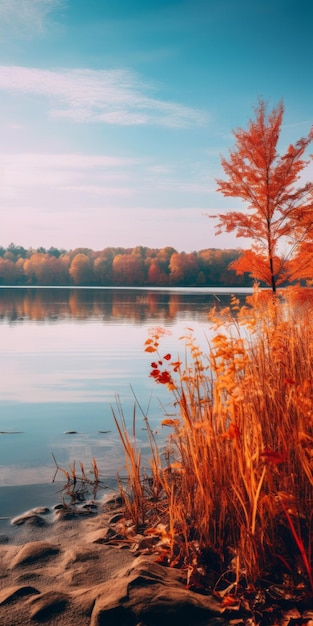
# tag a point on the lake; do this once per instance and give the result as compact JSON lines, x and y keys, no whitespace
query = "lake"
{"x":66,"y":356}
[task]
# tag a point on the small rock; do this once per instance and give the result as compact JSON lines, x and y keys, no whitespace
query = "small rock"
{"x":90,"y":506}
{"x":31,"y":519}
{"x":90,"y":509}
{"x":68,"y":513}
{"x":65,"y":514}
{"x":40,"y":510}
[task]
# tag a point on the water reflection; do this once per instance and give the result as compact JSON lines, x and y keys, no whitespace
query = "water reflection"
{"x":66,"y":354}
{"x":134,"y":305}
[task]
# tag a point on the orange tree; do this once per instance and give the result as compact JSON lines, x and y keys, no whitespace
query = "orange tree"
{"x":279,"y":215}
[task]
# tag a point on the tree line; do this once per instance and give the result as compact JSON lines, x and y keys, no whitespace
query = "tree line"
{"x":139,"y":266}
{"x":278,"y":219}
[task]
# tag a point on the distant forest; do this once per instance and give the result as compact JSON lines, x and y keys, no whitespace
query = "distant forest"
{"x":140,"y":266}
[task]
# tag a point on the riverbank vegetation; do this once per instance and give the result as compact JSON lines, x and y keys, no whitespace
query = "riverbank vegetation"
{"x":230,"y":497}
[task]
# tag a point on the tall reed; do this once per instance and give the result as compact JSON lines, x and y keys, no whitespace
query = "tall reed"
{"x":236,"y":482}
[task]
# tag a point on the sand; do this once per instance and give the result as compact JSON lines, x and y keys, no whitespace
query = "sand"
{"x":60,"y":568}
{"x":88,"y":567}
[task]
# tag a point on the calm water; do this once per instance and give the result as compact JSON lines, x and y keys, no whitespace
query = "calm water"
{"x":66,"y":354}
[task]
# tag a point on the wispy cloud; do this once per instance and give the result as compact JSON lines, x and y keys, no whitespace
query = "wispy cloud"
{"x":84,"y":173}
{"x":26,"y":18}
{"x":75,"y":178}
{"x":60,"y":161}
{"x":103,"y":96}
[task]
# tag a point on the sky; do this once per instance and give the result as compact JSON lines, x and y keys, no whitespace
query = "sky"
{"x":114,"y":114}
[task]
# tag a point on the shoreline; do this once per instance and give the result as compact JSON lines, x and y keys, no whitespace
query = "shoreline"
{"x":16,"y":500}
{"x":79,"y":570}
{"x":87,"y":566}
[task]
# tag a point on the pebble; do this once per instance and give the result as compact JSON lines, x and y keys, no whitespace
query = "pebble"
{"x":31,"y":519}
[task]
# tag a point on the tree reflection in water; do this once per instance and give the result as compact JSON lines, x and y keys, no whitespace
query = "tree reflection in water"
{"x":135,"y":305}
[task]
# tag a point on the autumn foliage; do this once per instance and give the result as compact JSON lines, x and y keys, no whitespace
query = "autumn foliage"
{"x":279,"y":214}
{"x":139,"y":266}
{"x":231,"y":490}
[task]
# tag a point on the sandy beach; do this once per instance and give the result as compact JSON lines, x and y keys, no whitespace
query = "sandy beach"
{"x":60,"y":568}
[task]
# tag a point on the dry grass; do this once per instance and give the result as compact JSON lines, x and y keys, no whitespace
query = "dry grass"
{"x":78,"y":486}
{"x":235,"y":487}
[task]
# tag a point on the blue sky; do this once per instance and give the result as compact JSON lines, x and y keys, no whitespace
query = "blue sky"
{"x":114,"y":113}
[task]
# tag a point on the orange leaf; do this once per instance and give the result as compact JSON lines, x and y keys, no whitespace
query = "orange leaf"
{"x":150,"y":349}
{"x":169,"y":422}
